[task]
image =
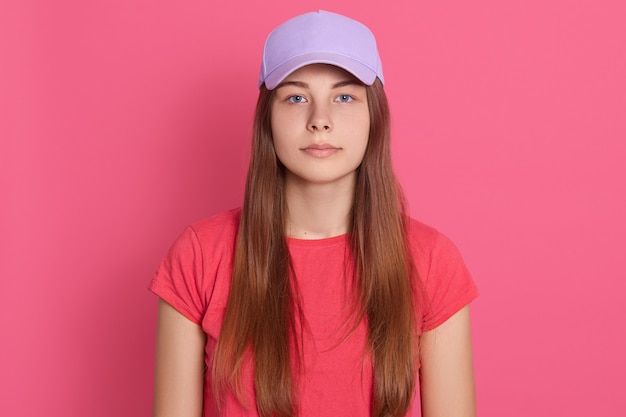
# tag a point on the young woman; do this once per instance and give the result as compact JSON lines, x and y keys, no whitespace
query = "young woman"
{"x":320,"y":297}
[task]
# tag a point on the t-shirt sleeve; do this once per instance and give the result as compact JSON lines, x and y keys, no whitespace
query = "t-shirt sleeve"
{"x":448,"y":284}
{"x":178,"y":279}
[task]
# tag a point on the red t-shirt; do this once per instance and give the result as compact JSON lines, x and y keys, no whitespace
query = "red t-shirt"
{"x":195,"y":278}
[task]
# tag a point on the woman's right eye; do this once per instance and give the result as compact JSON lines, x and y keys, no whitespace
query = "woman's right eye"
{"x":296,"y":99}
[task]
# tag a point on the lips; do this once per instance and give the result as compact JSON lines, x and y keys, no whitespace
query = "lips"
{"x":320,"y":150}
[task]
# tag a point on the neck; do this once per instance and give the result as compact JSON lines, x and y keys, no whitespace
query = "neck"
{"x":318,"y":211}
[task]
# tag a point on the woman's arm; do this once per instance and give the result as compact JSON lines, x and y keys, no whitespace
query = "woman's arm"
{"x":446,"y":373}
{"x":179,"y":370}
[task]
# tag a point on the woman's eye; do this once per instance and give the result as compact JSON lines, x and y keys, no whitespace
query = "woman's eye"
{"x":345,"y":98}
{"x":296,"y":99}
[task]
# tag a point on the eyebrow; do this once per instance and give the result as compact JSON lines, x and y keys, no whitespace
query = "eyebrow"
{"x":305,"y":85}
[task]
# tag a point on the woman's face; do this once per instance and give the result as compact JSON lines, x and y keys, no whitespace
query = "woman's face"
{"x":320,"y":124}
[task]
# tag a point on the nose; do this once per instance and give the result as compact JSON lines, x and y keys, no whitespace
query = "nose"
{"x":319,"y":119}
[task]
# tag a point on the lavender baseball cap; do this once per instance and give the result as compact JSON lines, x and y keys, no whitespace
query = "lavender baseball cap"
{"x":320,"y":38}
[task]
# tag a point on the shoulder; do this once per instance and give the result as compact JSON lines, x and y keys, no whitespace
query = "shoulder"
{"x":430,"y":248}
{"x":207,"y":239}
{"x":198,"y":265}
{"x":425,"y":240}
{"x":221,"y":227}
{"x":446,"y":283}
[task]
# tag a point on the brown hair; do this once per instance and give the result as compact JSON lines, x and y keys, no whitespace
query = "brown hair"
{"x":259,"y":323}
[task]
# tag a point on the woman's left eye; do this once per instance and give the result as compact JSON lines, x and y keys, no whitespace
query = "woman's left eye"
{"x":345,"y":98}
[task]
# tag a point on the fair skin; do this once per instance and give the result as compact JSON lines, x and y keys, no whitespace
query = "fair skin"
{"x":446,"y":373}
{"x":179,"y":367}
{"x":320,"y":123}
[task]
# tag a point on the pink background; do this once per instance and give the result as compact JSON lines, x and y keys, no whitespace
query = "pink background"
{"x":123,"y":121}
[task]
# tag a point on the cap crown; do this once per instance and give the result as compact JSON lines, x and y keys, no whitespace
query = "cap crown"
{"x":320,"y":37}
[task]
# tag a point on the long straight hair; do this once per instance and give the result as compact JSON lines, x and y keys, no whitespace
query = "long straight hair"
{"x":260,"y":318}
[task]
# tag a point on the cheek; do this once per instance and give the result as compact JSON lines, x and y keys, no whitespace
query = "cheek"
{"x":283,"y":124}
{"x":364,"y":131}
{"x":364,"y":140}
{"x":279,"y":138}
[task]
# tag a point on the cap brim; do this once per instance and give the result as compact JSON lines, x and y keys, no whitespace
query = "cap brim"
{"x":361,"y":71}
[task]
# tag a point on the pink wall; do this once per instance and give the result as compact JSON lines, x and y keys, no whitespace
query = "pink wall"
{"x":123,"y":121}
